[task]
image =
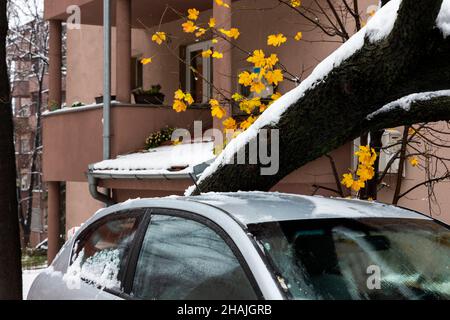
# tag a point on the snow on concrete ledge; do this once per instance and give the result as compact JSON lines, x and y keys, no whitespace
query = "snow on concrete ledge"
{"x":159,"y":161}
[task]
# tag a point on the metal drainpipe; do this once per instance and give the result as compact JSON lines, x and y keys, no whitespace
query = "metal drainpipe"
{"x":106,"y":79}
{"x":93,"y":185}
{"x":106,"y":99}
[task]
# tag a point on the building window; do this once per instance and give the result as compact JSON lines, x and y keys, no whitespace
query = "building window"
{"x":199,"y":86}
{"x":36,"y":220}
{"x":24,"y":182}
{"x":24,"y":145}
{"x":24,"y":111}
{"x":137,"y":74}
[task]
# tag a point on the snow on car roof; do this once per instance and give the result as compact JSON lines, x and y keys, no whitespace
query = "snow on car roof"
{"x":259,"y":207}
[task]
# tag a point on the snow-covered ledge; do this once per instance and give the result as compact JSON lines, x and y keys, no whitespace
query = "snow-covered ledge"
{"x":100,"y":105}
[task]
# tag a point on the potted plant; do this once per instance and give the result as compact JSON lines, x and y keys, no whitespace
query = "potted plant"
{"x":77,"y":104}
{"x":150,"y":96}
{"x":99,"y":99}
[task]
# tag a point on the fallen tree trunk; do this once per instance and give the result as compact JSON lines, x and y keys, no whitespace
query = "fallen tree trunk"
{"x":412,"y":58}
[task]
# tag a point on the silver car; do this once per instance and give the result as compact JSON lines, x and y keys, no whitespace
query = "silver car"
{"x":251,"y":245}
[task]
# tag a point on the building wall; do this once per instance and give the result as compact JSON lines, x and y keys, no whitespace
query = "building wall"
{"x":80,"y":205}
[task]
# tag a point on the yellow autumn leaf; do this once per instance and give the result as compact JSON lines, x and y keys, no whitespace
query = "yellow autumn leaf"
{"x":179,"y":95}
{"x":257,"y":87}
{"x":258,"y":58}
{"x":222,"y":3}
{"x":413,"y":161}
{"x":200,"y":32}
{"x":229,"y":124}
{"x":232,"y":33}
{"x":193,"y":14}
{"x":272,"y":60}
{"x":274,"y":77}
{"x":216,"y":110}
{"x":159,"y":37}
{"x":358,"y":185}
{"x":347,"y":180}
{"x":212,"y":22}
{"x":248,"y":105}
{"x":188,"y":98}
{"x":145,"y":61}
{"x":189,"y":27}
{"x":179,"y":106}
{"x":296,"y":3}
{"x":276,"y":96}
{"x":365,"y":173}
{"x":214,"y":102}
{"x":247,"y":123}
{"x":246,"y":78}
{"x":214,"y":40}
{"x":298,"y":36}
{"x":276,"y":40}
{"x":207,"y":53}
{"x":217,"y":55}
{"x":262,"y":108}
{"x":237,"y":97}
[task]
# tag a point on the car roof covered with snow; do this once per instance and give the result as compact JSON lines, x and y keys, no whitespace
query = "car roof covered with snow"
{"x":259,"y":207}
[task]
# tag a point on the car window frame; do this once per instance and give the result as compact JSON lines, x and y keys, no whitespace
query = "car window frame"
{"x":134,"y":256}
{"x":140,"y":214}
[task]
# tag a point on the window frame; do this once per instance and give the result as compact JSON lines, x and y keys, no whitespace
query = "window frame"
{"x":134,"y":257}
{"x":140,"y":214}
{"x":207,"y":73}
{"x":137,"y":73}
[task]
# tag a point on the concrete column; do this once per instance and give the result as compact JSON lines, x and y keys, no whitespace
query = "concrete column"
{"x":123,"y":50}
{"x":53,"y":220}
{"x":55,"y":62}
{"x":222,"y":71}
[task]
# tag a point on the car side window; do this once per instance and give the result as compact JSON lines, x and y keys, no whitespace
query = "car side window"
{"x":100,"y":254}
{"x":183,"y":259}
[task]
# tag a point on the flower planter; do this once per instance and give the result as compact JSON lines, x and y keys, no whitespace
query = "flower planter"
{"x":99,"y":100}
{"x":143,"y":98}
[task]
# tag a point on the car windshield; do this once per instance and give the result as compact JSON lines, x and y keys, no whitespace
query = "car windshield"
{"x":376,"y":258}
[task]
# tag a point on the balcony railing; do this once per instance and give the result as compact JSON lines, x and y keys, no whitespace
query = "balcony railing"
{"x":72,"y":137}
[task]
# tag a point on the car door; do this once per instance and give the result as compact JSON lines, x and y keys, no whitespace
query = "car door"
{"x":98,"y":262}
{"x":186,"y":257}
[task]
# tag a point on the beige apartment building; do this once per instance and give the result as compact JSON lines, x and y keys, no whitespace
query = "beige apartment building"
{"x":73,"y":137}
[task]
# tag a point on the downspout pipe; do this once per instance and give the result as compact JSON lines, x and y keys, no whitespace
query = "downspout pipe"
{"x":93,"y":190}
{"x":106,"y":79}
{"x":106,"y":99}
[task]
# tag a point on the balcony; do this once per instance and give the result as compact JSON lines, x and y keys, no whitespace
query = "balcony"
{"x":142,"y":12}
{"x":72,"y":137}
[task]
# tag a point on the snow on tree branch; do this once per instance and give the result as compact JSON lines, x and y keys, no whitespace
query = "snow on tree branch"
{"x":443,"y":18}
{"x":405,"y":102}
